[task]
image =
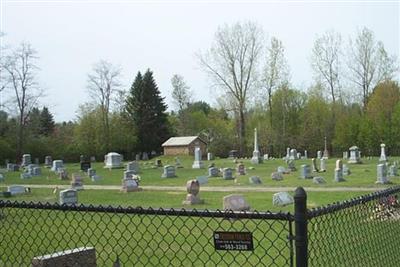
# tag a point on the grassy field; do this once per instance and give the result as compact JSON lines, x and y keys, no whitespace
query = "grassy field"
{"x":141,"y":240}
{"x":362,"y":175}
{"x":261,"y":201}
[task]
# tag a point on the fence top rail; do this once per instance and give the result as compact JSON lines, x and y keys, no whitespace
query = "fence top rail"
{"x":315,"y":212}
{"x":227,"y":214}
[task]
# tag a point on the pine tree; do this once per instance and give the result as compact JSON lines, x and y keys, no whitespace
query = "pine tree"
{"x":145,"y":108}
{"x":47,"y":123}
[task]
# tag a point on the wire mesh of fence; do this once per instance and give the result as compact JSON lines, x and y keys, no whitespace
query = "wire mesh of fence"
{"x":363,"y":231}
{"x":31,"y":233}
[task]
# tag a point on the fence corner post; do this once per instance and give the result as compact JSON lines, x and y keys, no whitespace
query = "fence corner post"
{"x":300,"y":220}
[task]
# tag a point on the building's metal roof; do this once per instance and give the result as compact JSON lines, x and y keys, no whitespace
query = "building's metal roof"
{"x":180,"y":141}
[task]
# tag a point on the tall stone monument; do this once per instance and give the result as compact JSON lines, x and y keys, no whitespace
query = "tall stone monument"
{"x":326,"y":153}
{"x":198,"y":163}
{"x":256,"y":159}
{"x":383,"y":157}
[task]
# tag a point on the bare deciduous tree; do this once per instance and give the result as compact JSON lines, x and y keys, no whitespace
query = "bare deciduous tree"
{"x":103,"y":83}
{"x":20,"y":73}
{"x":276,"y":71}
{"x":181,"y":93}
{"x":369,"y":63}
{"x":325,"y":61}
{"x":232,"y":62}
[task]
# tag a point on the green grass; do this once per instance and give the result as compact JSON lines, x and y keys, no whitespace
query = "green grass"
{"x":363,"y":175}
{"x":261,"y":201}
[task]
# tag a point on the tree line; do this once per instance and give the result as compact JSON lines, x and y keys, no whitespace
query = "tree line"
{"x":354,"y":100}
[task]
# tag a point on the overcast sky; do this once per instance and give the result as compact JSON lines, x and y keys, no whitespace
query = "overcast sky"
{"x":70,"y":36}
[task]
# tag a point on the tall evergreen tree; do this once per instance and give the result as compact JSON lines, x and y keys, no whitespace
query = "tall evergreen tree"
{"x":146,"y":110}
{"x":47,"y":123}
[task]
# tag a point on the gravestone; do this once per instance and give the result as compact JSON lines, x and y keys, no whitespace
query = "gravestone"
{"x":48,"y":161}
{"x":137,"y":157}
{"x":240,"y":169}
{"x":314,"y":165}
{"x":213,"y":172}
{"x":305,"y":171}
{"x":202,"y":179}
{"x":287,"y":153}
{"x":293,"y":154}
{"x":158,"y":163}
{"x":322,"y":165}
{"x":266,"y":157}
{"x":169,"y":172}
{"x":233,"y":154}
{"x":346,"y":170}
{"x":210,"y":156}
{"x":345,"y":155}
{"x":130,"y":185}
{"x":129,"y":175}
{"x":37,"y":162}
{"x":197,"y":164}
{"x":178,"y":163}
{"x":291,"y":165}
{"x":145,"y":156}
{"x":133,"y":166}
{"x":57,"y":164}
{"x":26,"y":160}
{"x":36,"y":171}
{"x":393,"y":171}
{"x":25,"y":175}
{"x":298,"y":155}
{"x":256,"y":159}
{"x":338,"y":176}
{"x":193,"y":189}
{"x":11,"y":167}
{"x":82,"y":158}
{"x":319,"y":180}
{"x":381,"y":171}
{"x":383,"y":157}
{"x":277,"y":176}
{"x":84,"y":256}
{"x":62,"y":174}
{"x":282,"y":199}
{"x":92,"y":159}
{"x":2,"y":179}
{"x":319,"y":154}
{"x":77,"y":182}
{"x":91,"y":172}
{"x":282,"y":170}
{"x":113,"y":160}
{"x":227,"y":173}
{"x":68,"y":197}
{"x":255,"y":180}
{"x":16,"y":189}
{"x":95,"y":178}
{"x":235,"y":203}
{"x":355,"y":155}
{"x":305,"y":154}
{"x":326,"y":153}
{"x":85,"y":165}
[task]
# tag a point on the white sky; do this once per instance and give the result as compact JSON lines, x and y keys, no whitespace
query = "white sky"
{"x":164,"y":36}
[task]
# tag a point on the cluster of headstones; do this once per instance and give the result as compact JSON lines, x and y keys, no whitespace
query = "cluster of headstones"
{"x":292,"y":154}
{"x":237,"y":202}
{"x":130,"y":181}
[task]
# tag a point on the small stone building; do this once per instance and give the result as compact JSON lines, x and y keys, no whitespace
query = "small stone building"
{"x":184,"y":145}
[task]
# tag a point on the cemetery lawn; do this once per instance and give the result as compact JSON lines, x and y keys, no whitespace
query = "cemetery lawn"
{"x":261,"y":201}
{"x":362,"y":175}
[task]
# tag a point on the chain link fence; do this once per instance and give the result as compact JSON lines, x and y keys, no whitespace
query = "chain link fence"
{"x":139,"y":237}
{"x":364,"y":231}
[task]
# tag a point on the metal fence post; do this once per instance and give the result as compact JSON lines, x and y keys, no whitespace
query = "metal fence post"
{"x":300,"y":220}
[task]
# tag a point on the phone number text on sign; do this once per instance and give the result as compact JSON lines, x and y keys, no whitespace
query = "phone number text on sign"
{"x":233,"y":241}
